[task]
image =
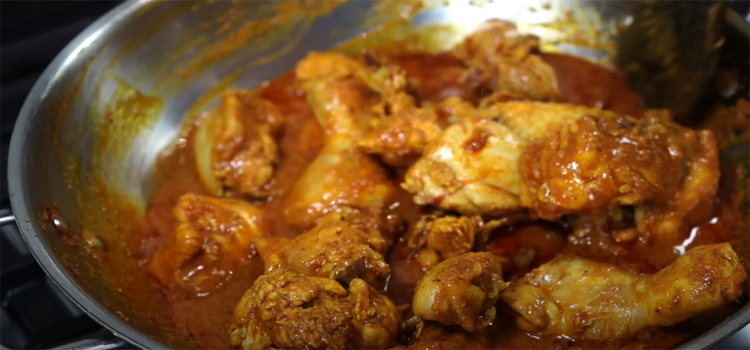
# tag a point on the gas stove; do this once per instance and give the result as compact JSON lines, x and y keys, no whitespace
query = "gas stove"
{"x":34,"y":313}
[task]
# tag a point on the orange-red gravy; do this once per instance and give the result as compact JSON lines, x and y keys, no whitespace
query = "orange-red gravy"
{"x":437,"y":77}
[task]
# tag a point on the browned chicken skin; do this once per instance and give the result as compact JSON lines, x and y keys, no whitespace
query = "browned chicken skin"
{"x":559,"y":159}
{"x":578,"y":298}
{"x":375,"y":318}
{"x":345,"y":103}
{"x":236,"y":146}
{"x":288,"y":310}
{"x":340,"y":177}
{"x":435,"y":238}
{"x":401,"y":138}
{"x":461,"y":290}
{"x":595,"y":164}
{"x":503,"y":59}
{"x":508,"y":61}
{"x":334,"y":249}
{"x":210,"y":238}
{"x":473,"y":166}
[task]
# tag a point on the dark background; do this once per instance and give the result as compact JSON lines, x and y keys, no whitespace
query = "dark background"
{"x":31,"y":35}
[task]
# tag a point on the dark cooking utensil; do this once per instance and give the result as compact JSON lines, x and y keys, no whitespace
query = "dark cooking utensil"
{"x":670,"y":51}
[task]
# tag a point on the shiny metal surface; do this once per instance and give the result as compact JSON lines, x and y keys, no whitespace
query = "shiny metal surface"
{"x":143,"y":46}
{"x":6,"y":217}
{"x":102,"y":340}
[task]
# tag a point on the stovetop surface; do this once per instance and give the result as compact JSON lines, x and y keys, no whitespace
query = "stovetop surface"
{"x":34,"y":313}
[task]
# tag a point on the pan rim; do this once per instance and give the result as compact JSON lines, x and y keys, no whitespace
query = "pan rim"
{"x":18,"y":186}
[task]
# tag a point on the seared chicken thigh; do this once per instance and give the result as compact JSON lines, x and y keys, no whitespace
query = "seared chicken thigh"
{"x":582,"y":299}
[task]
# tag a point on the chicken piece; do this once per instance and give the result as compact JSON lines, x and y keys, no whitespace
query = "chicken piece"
{"x":560,"y":159}
{"x":334,"y":248}
{"x":348,"y":96}
{"x":435,"y":238}
{"x":394,"y":88}
{"x":461,"y":290}
{"x":533,"y":121}
{"x":443,"y":237}
{"x":452,"y":109}
{"x":235,"y":146}
{"x":700,"y":183}
{"x":403,"y":137}
{"x":327,"y":65}
{"x":342,"y":175}
{"x":381,"y":78}
{"x":375,"y":318}
{"x":210,"y":239}
{"x":595,"y":164}
{"x":582,"y":299}
{"x":291,"y":311}
{"x":342,"y":107}
{"x":508,"y":61}
{"x":471,"y":168}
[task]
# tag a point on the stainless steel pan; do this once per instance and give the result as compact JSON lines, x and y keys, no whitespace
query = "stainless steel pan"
{"x":91,"y":128}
